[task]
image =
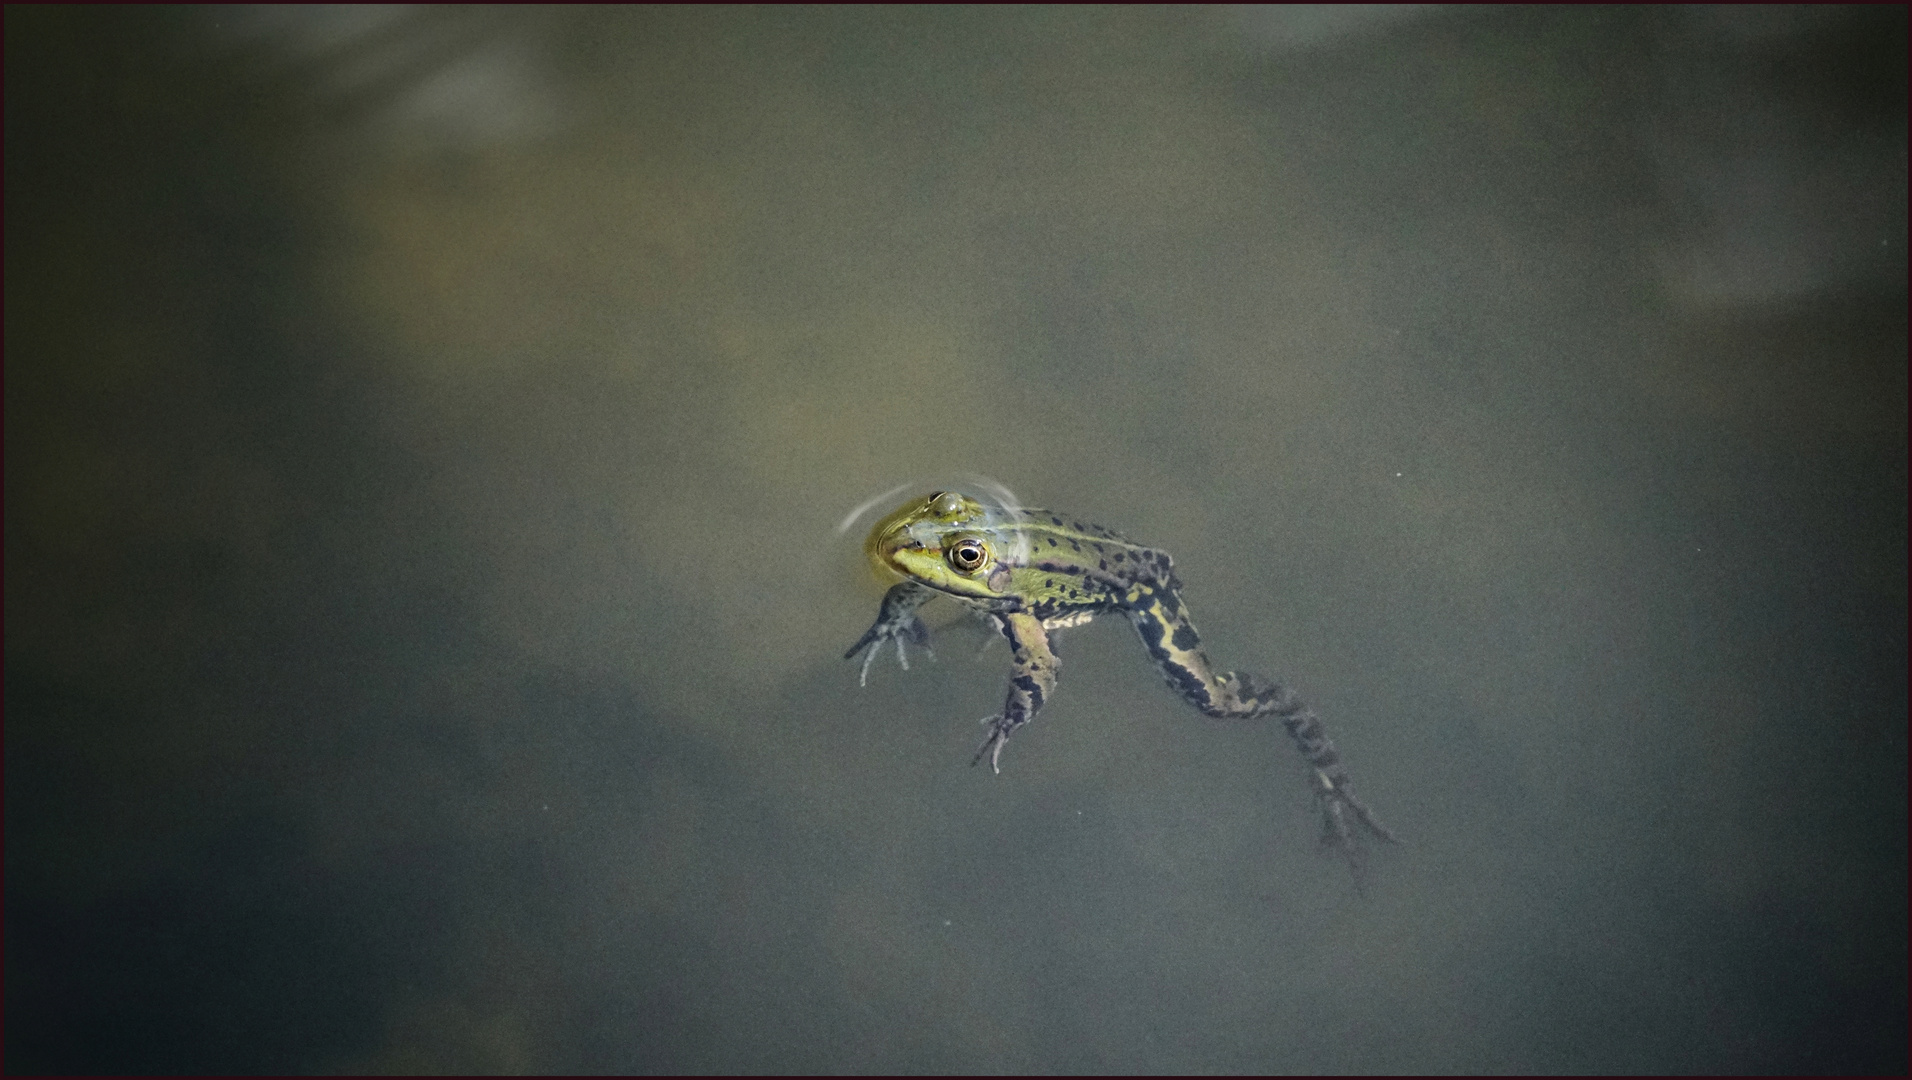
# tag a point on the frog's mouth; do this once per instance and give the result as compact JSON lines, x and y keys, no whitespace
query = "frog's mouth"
{"x":883,"y":560}
{"x":888,"y":538}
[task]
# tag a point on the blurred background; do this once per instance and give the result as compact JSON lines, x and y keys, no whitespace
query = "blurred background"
{"x":425,"y":430}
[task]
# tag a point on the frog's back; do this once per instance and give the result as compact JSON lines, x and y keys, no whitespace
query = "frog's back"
{"x":1077,"y":568}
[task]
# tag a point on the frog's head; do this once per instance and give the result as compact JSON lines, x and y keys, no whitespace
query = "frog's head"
{"x":949,"y":542}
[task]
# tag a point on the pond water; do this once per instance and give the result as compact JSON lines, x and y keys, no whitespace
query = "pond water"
{"x":427,"y":433}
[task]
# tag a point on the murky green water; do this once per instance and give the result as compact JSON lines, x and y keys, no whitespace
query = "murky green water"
{"x":426,"y":430}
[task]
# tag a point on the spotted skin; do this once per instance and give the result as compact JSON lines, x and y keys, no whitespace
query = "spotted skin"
{"x":1029,"y":572}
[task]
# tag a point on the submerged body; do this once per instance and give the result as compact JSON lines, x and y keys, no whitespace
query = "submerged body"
{"x":1027,"y":572}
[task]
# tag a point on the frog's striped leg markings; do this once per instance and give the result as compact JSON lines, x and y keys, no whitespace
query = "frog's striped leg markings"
{"x":1171,"y":639}
{"x":896,"y":621}
{"x":1031,"y":682}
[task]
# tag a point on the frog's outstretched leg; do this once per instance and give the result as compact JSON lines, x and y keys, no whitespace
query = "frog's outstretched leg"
{"x":896,"y":621}
{"x":1251,"y":697}
{"x":1171,"y":639}
{"x":1031,"y":681}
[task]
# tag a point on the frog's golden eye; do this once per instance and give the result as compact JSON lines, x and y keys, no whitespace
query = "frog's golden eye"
{"x":967,"y":555}
{"x":945,"y":504}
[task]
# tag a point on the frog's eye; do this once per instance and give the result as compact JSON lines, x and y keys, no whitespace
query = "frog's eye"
{"x":967,"y":556}
{"x":945,"y":504}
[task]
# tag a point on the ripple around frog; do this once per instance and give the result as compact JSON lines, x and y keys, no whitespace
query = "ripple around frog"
{"x":1000,"y":505}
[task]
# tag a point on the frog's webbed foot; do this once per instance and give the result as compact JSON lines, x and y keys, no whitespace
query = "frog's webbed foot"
{"x":1338,"y":803}
{"x":911,"y":630}
{"x":999,"y":729}
{"x":897,"y":621}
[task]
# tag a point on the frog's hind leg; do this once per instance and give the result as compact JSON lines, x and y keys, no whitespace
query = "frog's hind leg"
{"x":1337,"y":801}
{"x":1031,"y":681}
{"x":1331,"y":783}
{"x":1171,"y":639}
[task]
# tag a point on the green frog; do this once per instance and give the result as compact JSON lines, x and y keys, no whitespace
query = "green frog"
{"x":1028,"y":572}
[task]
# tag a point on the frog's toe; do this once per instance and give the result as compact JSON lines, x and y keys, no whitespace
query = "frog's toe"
{"x":863,"y":676}
{"x":1374,"y":825}
{"x":999,"y":730}
{"x":903,"y":634}
{"x":868,"y":639}
{"x":1337,"y":805}
{"x":902,"y":655}
{"x":1339,"y":800}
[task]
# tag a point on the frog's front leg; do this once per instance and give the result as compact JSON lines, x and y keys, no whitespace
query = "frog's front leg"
{"x":896,"y":621}
{"x":1030,"y":682}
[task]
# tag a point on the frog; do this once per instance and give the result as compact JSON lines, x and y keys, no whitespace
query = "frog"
{"x":1028,"y":573}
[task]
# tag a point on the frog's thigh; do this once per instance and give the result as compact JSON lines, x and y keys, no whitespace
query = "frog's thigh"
{"x":1034,"y":676}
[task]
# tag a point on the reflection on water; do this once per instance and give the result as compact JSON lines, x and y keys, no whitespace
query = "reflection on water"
{"x":425,"y":431}
{"x":414,"y":79}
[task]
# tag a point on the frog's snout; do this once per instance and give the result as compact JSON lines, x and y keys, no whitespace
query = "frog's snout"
{"x":890,"y":536}
{"x":881,"y":551}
